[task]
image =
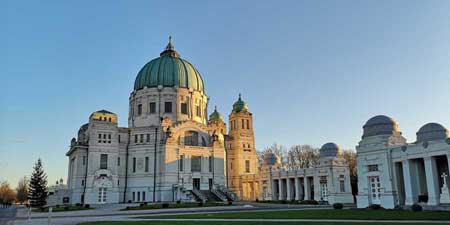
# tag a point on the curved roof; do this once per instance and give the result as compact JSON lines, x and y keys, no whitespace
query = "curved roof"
{"x":169,"y":70}
{"x":330,"y":149}
{"x":240,"y":105}
{"x":215,"y":115}
{"x":380,"y":125}
{"x":432,"y":131}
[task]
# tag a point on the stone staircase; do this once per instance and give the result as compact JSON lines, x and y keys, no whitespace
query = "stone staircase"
{"x":199,"y":196}
{"x":219,"y":195}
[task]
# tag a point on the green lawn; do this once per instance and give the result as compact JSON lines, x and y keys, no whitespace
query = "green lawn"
{"x":230,"y":223}
{"x":174,"y":205}
{"x":61,"y":209}
{"x":357,"y":214}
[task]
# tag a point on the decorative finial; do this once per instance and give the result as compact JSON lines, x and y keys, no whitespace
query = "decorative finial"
{"x":239,"y":96}
{"x":215,"y":108}
{"x":170,"y":49}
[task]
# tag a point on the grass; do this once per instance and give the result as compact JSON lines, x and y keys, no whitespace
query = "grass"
{"x":229,"y":223}
{"x":61,"y":209}
{"x":356,"y":214}
{"x":174,"y":205}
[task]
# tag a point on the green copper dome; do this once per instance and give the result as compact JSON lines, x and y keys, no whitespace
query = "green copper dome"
{"x":169,"y":70}
{"x":240,"y":105}
{"x":215,"y":115}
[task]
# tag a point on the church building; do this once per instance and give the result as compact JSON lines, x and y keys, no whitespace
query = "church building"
{"x":170,"y":151}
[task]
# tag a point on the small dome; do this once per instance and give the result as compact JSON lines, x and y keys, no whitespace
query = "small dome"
{"x":380,"y":125}
{"x":432,"y":131}
{"x":169,"y":70}
{"x":240,"y":105}
{"x":271,"y":159}
{"x":215,"y":115}
{"x":330,"y":150}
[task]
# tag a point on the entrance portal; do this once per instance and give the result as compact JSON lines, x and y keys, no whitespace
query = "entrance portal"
{"x":196,"y":183}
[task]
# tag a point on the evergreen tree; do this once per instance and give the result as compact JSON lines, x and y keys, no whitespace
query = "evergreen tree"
{"x":37,"y":190}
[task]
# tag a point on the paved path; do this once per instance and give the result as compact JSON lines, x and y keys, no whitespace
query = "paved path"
{"x":7,"y":215}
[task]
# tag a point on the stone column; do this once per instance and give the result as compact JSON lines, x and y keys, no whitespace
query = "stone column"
{"x":288,"y":189}
{"x":307,"y":189}
{"x":297,"y":188}
{"x":410,"y":195}
{"x":432,"y":177}
{"x":280,"y":189}
{"x":272,"y":189}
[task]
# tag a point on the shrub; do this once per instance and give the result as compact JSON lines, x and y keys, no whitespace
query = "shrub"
{"x":375,"y":207}
{"x":66,"y":208}
{"x":128,"y":207}
{"x":416,"y":208}
{"x":338,"y":206}
{"x":42,"y":209}
{"x":141,"y":205}
{"x":309,"y":202}
{"x":87,"y":206}
{"x":230,"y":203}
{"x":200,"y":204}
{"x":178,"y":202}
{"x":78,"y":204}
{"x":165,"y":205}
{"x":145,"y":203}
{"x":56,"y":206}
{"x":283,"y":202}
{"x":129,"y":201}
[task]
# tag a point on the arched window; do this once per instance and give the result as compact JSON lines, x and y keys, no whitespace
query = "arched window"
{"x":191,"y":138}
{"x":203,"y":142}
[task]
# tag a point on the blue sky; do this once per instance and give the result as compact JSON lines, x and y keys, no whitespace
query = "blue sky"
{"x":311,"y":71}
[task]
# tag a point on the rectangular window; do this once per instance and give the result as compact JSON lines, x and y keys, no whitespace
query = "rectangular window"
{"x":103,"y":161}
{"x":134,"y":165}
{"x":247,"y":166}
{"x":84,"y":160}
{"x":148,"y":138}
{"x":342,"y":185}
{"x":99,"y":138}
{"x":181,"y":163}
{"x":168,"y":107}
{"x":198,"y":111}
{"x":118,"y":183}
{"x":109,"y":138}
{"x":146,"y":164}
{"x":152,"y":107}
{"x":243,"y":125}
{"x":139,"y":196}
{"x":210,"y":182}
{"x":248,"y":124}
{"x":211,"y":163}
{"x":139,"y":109}
{"x":196,"y":164}
{"x":118,"y":138}
{"x":141,"y":140}
{"x":143,"y":196}
{"x":372,"y":168}
{"x":184,"y":108}
{"x":82,"y":183}
{"x":134,"y":196}
{"x":118,"y":161}
{"x":135,"y":138}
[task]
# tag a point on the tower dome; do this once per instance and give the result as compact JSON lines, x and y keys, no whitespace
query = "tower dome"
{"x":431,"y":132}
{"x":330,"y":150}
{"x":240,"y":105}
{"x":271,"y":159}
{"x":215,"y":115}
{"x":169,"y":70}
{"x":380,"y":125}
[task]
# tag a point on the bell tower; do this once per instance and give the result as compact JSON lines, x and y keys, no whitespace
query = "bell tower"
{"x":242,"y":158}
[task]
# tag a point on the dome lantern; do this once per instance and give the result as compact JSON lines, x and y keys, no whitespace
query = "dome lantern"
{"x":215,"y":116}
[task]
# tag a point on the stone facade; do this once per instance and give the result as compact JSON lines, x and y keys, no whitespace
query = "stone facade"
{"x":392,"y":172}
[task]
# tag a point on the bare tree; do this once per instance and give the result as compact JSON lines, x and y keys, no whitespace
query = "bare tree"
{"x":276,"y":149}
{"x":7,"y":194}
{"x":22,"y":190}
{"x":302,"y":156}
